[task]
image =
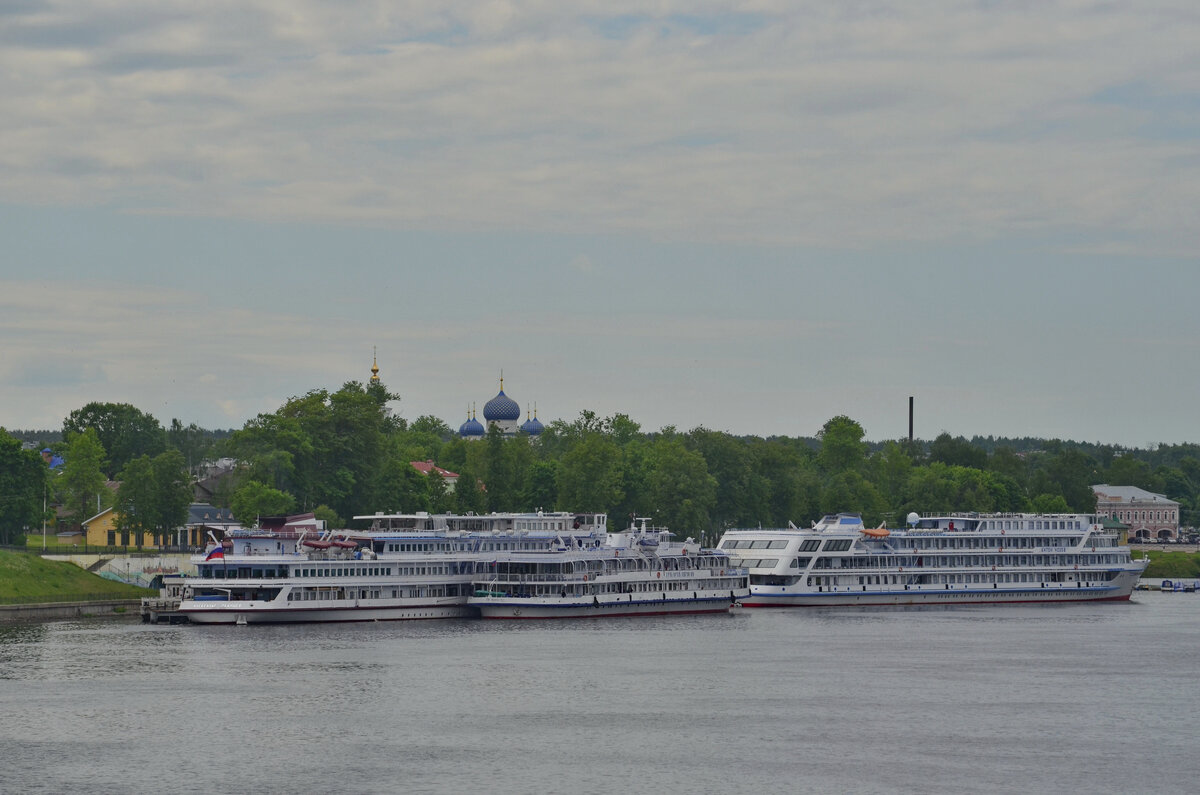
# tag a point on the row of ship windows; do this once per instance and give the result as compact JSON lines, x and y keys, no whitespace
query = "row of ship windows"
{"x":222,"y":572}
{"x":941,"y":560}
{"x":326,"y":595}
{"x":988,"y":543}
{"x":952,"y":579}
{"x":486,"y":524}
{"x":613,"y":565}
{"x":657,"y":586}
{"x":959,"y":542}
{"x":1031,"y":524}
{"x":486,"y":545}
{"x":761,"y":543}
{"x":811,"y":545}
{"x":234,"y":573}
{"x":373,"y":571}
{"x":559,"y":526}
{"x":770,"y":563}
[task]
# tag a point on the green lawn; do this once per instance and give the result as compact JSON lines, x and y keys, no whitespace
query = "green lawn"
{"x":27,"y":578}
{"x":33,"y":542}
{"x":1171,"y":564}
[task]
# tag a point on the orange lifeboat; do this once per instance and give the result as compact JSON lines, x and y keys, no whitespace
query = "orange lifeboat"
{"x":876,"y":532}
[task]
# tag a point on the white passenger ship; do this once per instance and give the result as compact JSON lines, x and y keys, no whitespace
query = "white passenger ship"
{"x":639,"y":572}
{"x":948,"y":559}
{"x":406,"y":566}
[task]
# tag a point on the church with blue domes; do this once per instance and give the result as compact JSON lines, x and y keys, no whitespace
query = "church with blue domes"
{"x":503,"y":412}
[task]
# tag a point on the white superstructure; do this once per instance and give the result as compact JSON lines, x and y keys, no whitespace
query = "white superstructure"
{"x":406,"y":566}
{"x":638,"y":572}
{"x":945,"y":559}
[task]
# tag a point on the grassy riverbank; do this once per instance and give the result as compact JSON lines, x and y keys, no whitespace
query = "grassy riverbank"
{"x":28,"y":579}
{"x":1182,"y":565}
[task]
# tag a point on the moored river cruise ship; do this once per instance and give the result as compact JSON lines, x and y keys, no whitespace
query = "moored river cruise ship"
{"x":405,"y":566}
{"x":639,"y":572}
{"x":944,"y":559}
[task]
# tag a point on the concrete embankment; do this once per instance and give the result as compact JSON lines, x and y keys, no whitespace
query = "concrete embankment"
{"x":48,"y":611}
{"x":138,"y":568}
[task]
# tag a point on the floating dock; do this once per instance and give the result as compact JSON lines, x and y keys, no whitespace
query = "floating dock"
{"x":161,"y":610}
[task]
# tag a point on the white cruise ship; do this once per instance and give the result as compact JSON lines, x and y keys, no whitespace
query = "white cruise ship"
{"x":639,"y":572}
{"x":406,"y":566}
{"x":946,"y":559}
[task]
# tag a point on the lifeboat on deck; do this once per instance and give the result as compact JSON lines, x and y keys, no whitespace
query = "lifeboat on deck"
{"x":318,"y":544}
{"x":876,"y":532}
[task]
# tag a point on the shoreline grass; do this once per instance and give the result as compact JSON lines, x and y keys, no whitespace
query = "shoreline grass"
{"x":1171,"y":564}
{"x":29,"y":579}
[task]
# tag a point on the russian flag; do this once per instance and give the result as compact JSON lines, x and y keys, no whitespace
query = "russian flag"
{"x":217,"y":552}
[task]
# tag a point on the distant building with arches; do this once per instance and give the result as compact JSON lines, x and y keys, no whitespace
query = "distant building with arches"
{"x":1148,"y":515}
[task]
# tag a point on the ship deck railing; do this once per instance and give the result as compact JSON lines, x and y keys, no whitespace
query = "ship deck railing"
{"x":1002,"y":515}
{"x":1056,"y":568}
{"x":578,"y":576}
{"x":518,"y":578}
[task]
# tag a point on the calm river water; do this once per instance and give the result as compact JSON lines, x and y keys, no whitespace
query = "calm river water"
{"x":1060,"y":698}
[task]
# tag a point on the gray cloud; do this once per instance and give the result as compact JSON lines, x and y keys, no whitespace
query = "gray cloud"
{"x":616,"y":204}
{"x":835,"y":124}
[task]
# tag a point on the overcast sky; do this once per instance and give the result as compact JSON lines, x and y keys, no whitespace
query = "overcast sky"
{"x":748,"y":216}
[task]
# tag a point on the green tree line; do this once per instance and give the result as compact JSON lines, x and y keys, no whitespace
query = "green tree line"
{"x":150,"y":469}
{"x":343,"y":453}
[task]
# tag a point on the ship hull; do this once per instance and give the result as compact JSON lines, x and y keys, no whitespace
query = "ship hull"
{"x":960,"y":596}
{"x":547,"y":609}
{"x":232,"y":613}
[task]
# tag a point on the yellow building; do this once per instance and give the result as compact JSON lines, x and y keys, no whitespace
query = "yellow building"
{"x":101,"y":531}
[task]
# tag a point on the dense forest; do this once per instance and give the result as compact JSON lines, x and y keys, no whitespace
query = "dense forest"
{"x":345,"y":452}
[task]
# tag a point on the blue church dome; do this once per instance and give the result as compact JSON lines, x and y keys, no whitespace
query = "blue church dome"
{"x":501,"y":408}
{"x":472,"y":427}
{"x":532,"y":427}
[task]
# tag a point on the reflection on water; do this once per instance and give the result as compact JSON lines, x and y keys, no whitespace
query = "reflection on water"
{"x":989,"y":698}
